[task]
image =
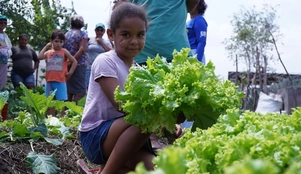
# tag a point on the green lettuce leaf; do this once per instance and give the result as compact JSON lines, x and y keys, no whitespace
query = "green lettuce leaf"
{"x":41,"y":163}
{"x":154,"y":95}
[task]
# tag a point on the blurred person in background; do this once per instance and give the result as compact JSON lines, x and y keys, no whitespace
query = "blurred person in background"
{"x":197,"y":31}
{"x":96,"y":45}
{"x":76,"y":42}
{"x":5,"y":51}
{"x":23,"y":68}
{"x":167,"y":27}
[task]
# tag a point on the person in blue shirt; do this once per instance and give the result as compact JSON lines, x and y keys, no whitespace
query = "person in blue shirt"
{"x":197,"y":30}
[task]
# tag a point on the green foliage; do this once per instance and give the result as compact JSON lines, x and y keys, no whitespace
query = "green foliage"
{"x":154,"y":96}
{"x":41,"y":163}
{"x":59,"y":127}
{"x":22,"y":129}
{"x":82,"y":101}
{"x":252,"y":166}
{"x":252,"y":34}
{"x":244,"y":142}
{"x":169,"y":164}
{"x":75,"y":108}
{"x":4,"y":95}
{"x":37,"y":18}
{"x":33,"y":126}
{"x":37,"y":104}
{"x":71,"y":119}
{"x":15,"y":104}
{"x":171,"y":161}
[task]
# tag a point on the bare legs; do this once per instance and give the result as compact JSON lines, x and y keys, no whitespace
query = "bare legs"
{"x":75,"y":97}
{"x":123,"y":148}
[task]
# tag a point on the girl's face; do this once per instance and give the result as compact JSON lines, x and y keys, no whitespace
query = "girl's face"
{"x":129,"y":37}
{"x":57,"y":44}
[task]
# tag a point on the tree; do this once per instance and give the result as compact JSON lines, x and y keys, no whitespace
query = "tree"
{"x":37,"y":18}
{"x":254,"y":38}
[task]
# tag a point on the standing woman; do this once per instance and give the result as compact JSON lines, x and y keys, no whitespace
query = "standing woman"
{"x":77,"y":44}
{"x":96,"y":45}
{"x":197,"y":30}
{"x":22,"y":59}
{"x":5,"y":51}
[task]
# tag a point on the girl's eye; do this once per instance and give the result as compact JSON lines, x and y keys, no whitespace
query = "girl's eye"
{"x":125,"y":35}
{"x":141,"y":35}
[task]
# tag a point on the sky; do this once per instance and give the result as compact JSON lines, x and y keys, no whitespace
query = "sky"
{"x":218,"y":15}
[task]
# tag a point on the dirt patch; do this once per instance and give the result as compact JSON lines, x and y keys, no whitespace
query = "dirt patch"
{"x":12,"y":156}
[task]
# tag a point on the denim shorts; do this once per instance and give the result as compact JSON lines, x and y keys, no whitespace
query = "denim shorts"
{"x":92,"y":141}
{"x":61,"y":90}
{"x":26,"y":80}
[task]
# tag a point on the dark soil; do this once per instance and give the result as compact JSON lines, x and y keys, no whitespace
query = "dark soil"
{"x":12,"y":156}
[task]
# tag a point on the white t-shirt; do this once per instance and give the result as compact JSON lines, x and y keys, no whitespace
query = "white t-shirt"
{"x":98,"y":108}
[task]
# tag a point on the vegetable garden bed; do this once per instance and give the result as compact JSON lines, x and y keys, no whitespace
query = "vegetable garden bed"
{"x":12,"y":156}
{"x":223,"y":139}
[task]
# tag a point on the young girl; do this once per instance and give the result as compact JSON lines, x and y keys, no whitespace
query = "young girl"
{"x":105,"y":136}
{"x":56,"y":66}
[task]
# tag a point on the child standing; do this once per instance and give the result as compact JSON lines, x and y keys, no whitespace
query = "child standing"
{"x":56,"y":66}
{"x":105,"y":136}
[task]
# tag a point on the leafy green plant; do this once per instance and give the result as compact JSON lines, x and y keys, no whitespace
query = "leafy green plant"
{"x":41,"y":163}
{"x":37,"y":103}
{"x":240,"y":142}
{"x":4,"y":95}
{"x":155,"y":95}
{"x":3,"y":99}
{"x":15,"y":104}
{"x":22,"y":129}
{"x":32,"y":125}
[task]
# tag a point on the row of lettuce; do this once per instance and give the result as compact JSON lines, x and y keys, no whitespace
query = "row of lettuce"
{"x":240,"y":142}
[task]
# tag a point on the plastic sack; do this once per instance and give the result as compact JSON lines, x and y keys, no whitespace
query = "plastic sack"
{"x":269,"y":103}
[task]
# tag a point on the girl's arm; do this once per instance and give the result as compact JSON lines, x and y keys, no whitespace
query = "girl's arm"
{"x":73,"y":63}
{"x":108,"y":85}
{"x":83,"y":47}
{"x":42,"y":54}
